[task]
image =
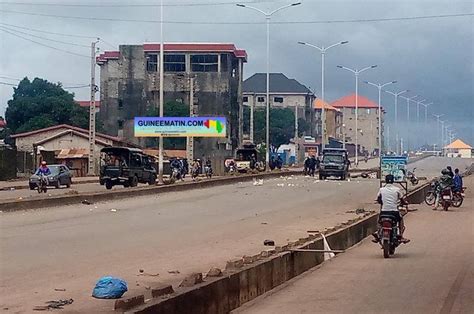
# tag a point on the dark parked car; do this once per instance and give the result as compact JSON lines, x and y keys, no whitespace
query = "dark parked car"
{"x":335,"y":163}
{"x":60,"y":175}
{"x":126,"y":166}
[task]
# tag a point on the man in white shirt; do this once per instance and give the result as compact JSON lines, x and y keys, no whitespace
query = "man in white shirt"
{"x":390,"y":196}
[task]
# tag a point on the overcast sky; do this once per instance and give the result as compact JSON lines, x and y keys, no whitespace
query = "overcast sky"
{"x":431,"y":57}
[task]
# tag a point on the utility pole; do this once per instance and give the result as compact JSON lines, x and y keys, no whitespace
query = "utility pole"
{"x":252,"y":105}
{"x":396,"y":117}
{"x":296,"y":134}
{"x":190,"y":139}
{"x":162,"y":77}
{"x":92,"y":108}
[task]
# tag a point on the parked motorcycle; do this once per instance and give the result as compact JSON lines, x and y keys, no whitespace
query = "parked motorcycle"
{"x":175,"y":175}
{"x":412,"y":177}
{"x":389,"y":235}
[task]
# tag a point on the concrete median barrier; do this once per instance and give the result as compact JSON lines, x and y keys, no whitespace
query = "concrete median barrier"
{"x":94,"y":197}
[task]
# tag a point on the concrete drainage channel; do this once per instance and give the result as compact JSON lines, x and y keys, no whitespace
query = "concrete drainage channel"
{"x":251,"y":276}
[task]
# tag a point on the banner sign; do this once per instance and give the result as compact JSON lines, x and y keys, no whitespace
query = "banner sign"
{"x":396,"y":166}
{"x":180,"y":127}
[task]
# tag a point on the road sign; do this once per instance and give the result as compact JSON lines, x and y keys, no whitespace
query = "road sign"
{"x":396,"y":166}
{"x":180,"y":127}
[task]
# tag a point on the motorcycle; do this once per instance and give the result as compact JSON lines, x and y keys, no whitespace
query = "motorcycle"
{"x":175,"y":175}
{"x":42,"y":184}
{"x":430,"y":196}
{"x":412,"y":177}
{"x":445,"y":199}
{"x":458,"y":197}
{"x":389,"y":237}
{"x":231,"y":169}
{"x":208,"y":171}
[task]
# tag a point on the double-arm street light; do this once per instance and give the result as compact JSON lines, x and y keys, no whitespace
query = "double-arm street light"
{"x":323,"y":50}
{"x":380,"y":86}
{"x":438,"y":121}
{"x":268,"y":16}
{"x":396,"y":114}
{"x":356,"y":73}
{"x":426,"y":119}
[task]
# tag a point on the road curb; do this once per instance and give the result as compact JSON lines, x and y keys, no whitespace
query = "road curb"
{"x":25,"y":186}
{"x":247,"y":278}
{"x":94,"y":197}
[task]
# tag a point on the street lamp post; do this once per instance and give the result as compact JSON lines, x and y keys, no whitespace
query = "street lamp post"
{"x":380,"y":86}
{"x":426,"y":120}
{"x":396,"y":115}
{"x":323,"y":50}
{"x":268,"y":16}
{"x":161,"y":109}
{"x":408,"y":99}
{"x":356,"y":73}
{"x":438,"y":121}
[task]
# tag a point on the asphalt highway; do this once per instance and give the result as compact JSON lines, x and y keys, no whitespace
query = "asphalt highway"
{"x":69,"y":248}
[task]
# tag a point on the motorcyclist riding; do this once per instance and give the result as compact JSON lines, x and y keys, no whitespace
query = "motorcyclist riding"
{"x":444,"y":182}
{"x":176,"y":164}
{"x":451,"y":173}
{"x":389,"y":197}
{"x":43,"y":171}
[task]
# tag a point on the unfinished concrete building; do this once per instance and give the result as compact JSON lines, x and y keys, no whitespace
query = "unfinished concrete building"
{"x":130,"y":81}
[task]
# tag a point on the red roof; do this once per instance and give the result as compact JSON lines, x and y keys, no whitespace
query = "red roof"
{"x":180,"y":47}
{"x":86,"y":103}
{"x":350,"y":102}
{"x":66,"y":126}
{"x":2,"y":123}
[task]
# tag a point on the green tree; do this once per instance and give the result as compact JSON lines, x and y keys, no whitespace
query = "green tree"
{"x":38,"y":104}
{"x":282,"y":126}
{"x":170,"y":109}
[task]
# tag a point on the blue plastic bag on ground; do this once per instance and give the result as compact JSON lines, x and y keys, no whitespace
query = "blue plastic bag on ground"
{"x":109,"y":288}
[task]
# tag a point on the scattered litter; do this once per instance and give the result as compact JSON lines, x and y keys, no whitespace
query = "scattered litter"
{"x":360,"y":211}
{"x":326,"y":180}
{"x":12,"y":189}
{"x":348,"y":180}
{"x":53,"y":305}
{"x":148,"y":274}
{"x":214,"y":272}
{"x":264,"y":223}
{"x":91,"y":209}
{"x":86,"y":202}
{"x":109,"y":288}
{"x":269,"y":243}
{"x":191,"y":280}
{"x":72,"y":192}
{"x":316,"y":181}
{"x":113,"y":210}
{"x":257,"y":182}
{"x":175,"y":272}
{"x":49,"y":194}
{"x":281,"y":184}
{"x":58,"y":289}
{"x":20,"y":198}
{"x":141,"y":270}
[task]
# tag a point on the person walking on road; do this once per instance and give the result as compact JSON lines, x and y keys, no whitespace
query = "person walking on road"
{"x":457,"y":181}
{"x":312,"y":166}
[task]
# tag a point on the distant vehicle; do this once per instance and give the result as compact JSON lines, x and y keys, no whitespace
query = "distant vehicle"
{"x":60,"y":175}
{"x":125,"y":166}
{"x":335,"y":162}
{"x":243,"y":158}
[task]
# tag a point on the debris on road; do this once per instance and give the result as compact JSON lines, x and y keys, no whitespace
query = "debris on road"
{"x":113,"y":210}
{"x":175,"y":272}
{"x":53,"y":305}
{"x":86,"y":202}
{"x":269,"y":243}
{"x":281,"y":184}
{"x":191,"y":280}
{"x":142,"y":273}
{"x":257,"y":182}
{"x":214,"y":272}
{"x":59,"y":289}
{"x":109,"y":288}
{"x":264,"y":223}
{"x":360,"y":211}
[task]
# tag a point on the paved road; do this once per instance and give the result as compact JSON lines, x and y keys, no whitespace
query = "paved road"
{"x":432,"y":274}
{"x":71,"y":247}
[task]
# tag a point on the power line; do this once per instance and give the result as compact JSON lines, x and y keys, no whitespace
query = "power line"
{"x":245,"y":23}
{"x":10,"y":78}
{"x":47,"y":32}
{"x":44,"y":45}
{"x":137,"y":5}
{"x":44,"y":38}
{"x":9,"y":84}
{"x":72,"y":87}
